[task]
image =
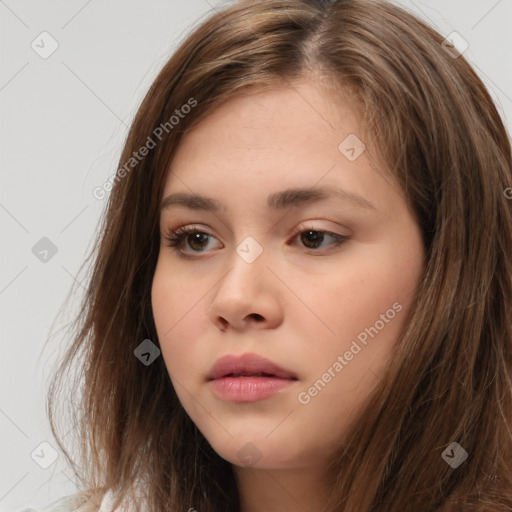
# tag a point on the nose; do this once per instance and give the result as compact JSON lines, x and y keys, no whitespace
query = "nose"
{"x":246,"y":296}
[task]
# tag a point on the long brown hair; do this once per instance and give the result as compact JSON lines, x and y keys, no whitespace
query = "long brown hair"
{"x":429,"y":117}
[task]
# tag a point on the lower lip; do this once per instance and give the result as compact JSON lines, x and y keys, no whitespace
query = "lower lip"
{"x":248,"y":389}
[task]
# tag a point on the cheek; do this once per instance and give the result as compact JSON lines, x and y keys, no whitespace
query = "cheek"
{"x":175,"y":305}
{"x":375,"y":278}
{"x":367,"y":307}
{"x":363,"y":310}
{"x":353,"y":301}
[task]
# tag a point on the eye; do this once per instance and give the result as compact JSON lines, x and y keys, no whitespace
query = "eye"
{"x":313,"y":238}
{"x":197,"y":240}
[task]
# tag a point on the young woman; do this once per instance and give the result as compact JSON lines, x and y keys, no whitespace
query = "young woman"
{"x":301,"y":290}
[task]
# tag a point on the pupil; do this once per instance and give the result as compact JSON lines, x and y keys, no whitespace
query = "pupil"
{"x":196,"y":237}
{"x":315,"y":236}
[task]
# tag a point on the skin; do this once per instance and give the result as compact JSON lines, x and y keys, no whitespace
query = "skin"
{"x":301,"y":303}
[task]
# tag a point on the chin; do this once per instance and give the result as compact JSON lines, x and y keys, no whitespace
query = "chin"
{"x":257,"y":451}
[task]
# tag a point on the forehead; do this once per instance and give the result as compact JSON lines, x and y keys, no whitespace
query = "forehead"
{"x":265,"y":130}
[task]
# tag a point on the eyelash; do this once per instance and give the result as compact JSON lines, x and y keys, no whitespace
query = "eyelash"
{"x":175,"y":238}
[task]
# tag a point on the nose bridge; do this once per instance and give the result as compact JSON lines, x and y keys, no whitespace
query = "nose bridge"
{"x":247,"y":265}
{"x":245,"y":291}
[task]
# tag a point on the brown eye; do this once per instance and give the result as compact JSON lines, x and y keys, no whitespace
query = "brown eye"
{"x":197,"y":240}
{"x":313,"y":238}
{"x":188,"y":237}
{"x":190,"y":240}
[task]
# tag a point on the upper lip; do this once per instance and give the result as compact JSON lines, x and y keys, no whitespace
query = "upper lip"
{"x":247,"y":363}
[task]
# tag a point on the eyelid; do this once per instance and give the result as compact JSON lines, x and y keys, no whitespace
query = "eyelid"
{"x":190,"y":228}
{"x":339,"y":232}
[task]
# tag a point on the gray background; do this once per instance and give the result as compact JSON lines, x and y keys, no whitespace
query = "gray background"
{"x":63,"y":123}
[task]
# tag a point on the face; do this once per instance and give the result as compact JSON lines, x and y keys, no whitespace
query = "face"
{"x":318,"y":281}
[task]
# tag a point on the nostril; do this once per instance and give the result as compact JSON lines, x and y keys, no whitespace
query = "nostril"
{"x":256,"y":316}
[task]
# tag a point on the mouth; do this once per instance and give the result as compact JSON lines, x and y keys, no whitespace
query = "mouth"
{"x":248,"y":365}
{"x":248,"y":378}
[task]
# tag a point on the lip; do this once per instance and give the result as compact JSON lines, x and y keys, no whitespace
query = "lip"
{"x":247,"y":363}
{"x":227,"y":382}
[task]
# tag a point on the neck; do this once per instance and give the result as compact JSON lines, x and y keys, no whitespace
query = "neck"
{"x":282,"y":490}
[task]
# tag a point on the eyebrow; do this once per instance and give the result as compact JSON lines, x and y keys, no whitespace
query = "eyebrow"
{"x":292,"y":197}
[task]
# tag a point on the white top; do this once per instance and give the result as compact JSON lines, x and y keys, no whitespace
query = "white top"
{"x":77,"y":503}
